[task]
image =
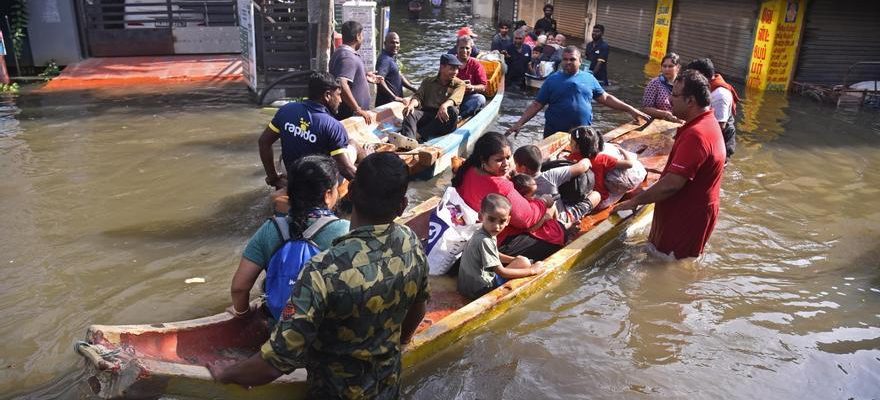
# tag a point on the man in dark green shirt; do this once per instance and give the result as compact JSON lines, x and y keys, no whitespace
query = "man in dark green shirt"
{"x":433,"y":109}
{"x":355,"y":304}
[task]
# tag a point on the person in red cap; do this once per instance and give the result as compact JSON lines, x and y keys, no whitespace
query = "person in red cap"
{"x":464,"y":31}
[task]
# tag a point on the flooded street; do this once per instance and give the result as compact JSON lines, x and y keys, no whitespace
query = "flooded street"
{"x":109,"y":202}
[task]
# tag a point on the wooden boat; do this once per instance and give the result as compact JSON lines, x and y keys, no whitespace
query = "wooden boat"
{"x":137,"y":361}
{"x":432,"y":157}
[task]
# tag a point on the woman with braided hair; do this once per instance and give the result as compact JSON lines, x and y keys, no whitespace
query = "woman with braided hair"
{"x":312,"y":192}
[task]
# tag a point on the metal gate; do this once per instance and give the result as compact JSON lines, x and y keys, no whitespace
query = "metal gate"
{"x":570,"y":16}
{"x":628,"y":24}
{"x":722,"y":30}
{"x":159,"y":27}
{"x":836,"y":37}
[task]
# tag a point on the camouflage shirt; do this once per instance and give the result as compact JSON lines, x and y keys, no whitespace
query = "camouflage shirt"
{"x":343,"y":320}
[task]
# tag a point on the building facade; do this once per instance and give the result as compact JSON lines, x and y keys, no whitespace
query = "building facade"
{"x":837,"y":40}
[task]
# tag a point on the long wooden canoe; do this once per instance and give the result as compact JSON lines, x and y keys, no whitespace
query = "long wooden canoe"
{"x":138,"y":361}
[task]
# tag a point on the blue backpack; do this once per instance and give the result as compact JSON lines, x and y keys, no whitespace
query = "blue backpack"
{"x":287,"y":262}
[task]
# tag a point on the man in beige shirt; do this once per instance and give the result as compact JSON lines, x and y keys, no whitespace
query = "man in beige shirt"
{"x":433,"y":109}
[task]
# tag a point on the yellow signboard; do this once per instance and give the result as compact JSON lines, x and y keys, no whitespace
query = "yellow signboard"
{"x":660,"y":39}
{"x":777,"y":39}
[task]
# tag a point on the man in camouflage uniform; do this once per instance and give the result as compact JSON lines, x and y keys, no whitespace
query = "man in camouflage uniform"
{"x":355,"y":304}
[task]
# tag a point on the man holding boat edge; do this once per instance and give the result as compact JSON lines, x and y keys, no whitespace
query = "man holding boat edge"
{"x":388,"y":68}
{"x":348,"y":339}
{"x":568,"y":95}
{"x":687,"y":196}
{"x":308,"y":128}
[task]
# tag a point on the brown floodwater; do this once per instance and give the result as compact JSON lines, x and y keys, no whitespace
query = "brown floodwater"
{"x":111,"y":201}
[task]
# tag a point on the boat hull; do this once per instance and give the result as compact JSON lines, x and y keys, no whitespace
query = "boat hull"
{"x":169,"y":358}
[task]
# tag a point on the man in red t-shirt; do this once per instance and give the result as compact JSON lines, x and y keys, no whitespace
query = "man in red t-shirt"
{"x":687,"y":194}
{"x":474,"y":76}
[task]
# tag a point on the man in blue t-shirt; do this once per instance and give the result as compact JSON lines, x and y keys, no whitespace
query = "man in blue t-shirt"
{"x":308,"y":128}
{"x":569,"y":93}
{"x":387,"y":68}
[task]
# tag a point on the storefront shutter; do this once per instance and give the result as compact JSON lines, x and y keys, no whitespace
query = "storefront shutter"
{"x":721,"y":30}
{"x":837,"y":35}
{"x":628,"y":24}
{"x":569,"y":15}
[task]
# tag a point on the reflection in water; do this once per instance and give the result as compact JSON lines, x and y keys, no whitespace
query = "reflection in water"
{"x":110,"y":201}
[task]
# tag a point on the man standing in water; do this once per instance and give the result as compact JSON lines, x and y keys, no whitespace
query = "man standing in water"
{"x":547,"y":24}
{"x":723,"y":100}
{"x":308,"y":128}
{"x":569,"y":93}
{"x":345,"y":326}
{"x":597,"y":52}
{"x":687,"y":194}
{"x":388,"y":68}
{"x":348,"y":66}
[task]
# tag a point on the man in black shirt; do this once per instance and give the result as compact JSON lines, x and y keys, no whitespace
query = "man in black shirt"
{"x":597,"y":53}
{"x":547,"y":25}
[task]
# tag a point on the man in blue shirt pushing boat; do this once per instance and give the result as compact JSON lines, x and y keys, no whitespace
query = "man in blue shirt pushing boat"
{"x":568,"y":95}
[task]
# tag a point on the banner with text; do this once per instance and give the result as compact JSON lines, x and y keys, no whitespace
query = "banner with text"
{"x":660,"y":39}
{"x":777,"y":40}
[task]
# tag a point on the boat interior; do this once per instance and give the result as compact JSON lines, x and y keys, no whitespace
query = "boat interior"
{"x":217,"y":337}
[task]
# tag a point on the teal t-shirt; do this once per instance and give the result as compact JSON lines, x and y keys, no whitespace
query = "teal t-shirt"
{"x":266,"y":240}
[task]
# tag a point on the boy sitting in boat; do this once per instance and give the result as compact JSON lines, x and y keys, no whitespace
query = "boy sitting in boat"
{"x":570,"y":185}
{"x":527,"y":187}
{"x":481,"y":267}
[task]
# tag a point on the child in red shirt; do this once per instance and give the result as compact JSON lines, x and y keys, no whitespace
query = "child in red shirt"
{"x":587,"y":143}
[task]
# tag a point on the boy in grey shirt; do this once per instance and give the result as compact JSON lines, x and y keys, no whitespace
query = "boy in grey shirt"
{"x":482,"y":266}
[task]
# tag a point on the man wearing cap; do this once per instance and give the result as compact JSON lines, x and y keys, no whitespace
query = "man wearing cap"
{"x":308,"y":128}
{"x":465,"y":31}
{"x":474,"y":76}
{"x":433,"y":110}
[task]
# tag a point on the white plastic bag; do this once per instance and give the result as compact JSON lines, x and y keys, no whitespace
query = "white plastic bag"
{"x":620,"y":181}
{"x":545,"y":69}
{"x":451,"y":226}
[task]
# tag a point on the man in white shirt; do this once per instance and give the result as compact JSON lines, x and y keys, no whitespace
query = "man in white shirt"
{"x":723,"y":99}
